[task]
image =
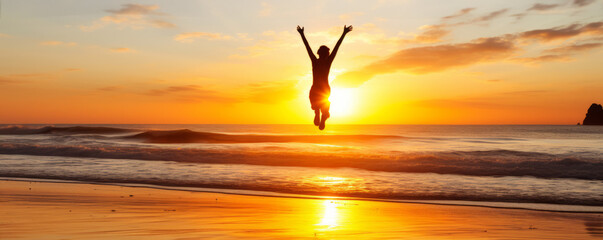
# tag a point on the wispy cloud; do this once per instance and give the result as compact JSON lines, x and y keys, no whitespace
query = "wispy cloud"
{"x":491,"y":15}
{"x":122,"y":50}
{"x":463,"y":12}
{"x":192,"y":36}
{"x":421,"y":60}
{"x":428,"y":59}
{"x":561,"y":33}
{"x":560,"y":54}
{"x":542,"y":7}
{"x":23,"y":78}
{"x":5,"y":80}
{"x":58,"y":43}
{"x":543,"y":58}
{"x":136,"y":16}
{"x":576,"y":47}
{"x":262,"y":92}
{"x":582,"y":3}
{"x":436,"y":32}
{"x":191,"y":93}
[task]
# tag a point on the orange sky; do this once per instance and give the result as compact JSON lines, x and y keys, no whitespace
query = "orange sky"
{"x":405,"y":62}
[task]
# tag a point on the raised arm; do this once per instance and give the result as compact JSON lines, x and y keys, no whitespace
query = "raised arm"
{"x":301,"y":32}
{"x":346,"y":30}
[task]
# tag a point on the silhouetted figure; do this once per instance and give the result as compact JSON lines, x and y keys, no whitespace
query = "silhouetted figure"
{"x":320,"y":91}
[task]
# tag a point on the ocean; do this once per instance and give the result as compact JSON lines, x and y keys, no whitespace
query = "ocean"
{"x":528,"y":166}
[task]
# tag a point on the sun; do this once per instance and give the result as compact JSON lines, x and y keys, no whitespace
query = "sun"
{"x":343,"y":101}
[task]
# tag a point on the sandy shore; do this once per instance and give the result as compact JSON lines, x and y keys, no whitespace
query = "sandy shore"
{"x":42,"y":210}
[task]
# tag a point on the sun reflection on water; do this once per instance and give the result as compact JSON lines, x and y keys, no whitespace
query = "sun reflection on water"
{"x":330,"y":215}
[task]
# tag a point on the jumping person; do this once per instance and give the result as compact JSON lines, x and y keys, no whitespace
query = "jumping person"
{"x":320,"y":91}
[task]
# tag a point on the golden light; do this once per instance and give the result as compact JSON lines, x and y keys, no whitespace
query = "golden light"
{"x":327,"y":180}
{"x":330,"y":215}
{"x":343,"y":101}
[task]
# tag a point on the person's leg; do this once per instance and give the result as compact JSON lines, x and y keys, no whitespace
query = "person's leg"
{"x":315,"y":103}
{"x":325,"y":115}
{"x":316,"y":117}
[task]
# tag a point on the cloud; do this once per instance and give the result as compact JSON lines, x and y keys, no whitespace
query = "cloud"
{"x":190,"y":93}
{"x":261,"y":92}
{"x":134,"y":9}
{"x":559,"y":54}
{"x":542,"y":7}
{"x":573,"y":48}
{"x":135,"y":16}
{"x":422,"y":60}
{"x":544,"y":58}
{"x":121,"y":50}
{"x":5,"y":80}
{"x":2,"y":35}
{"x":491,"y":15}
{"x":562,"y":33}
{"x":72,"y":69}
{"x":582,"y":3}
{"x":266,"y":10}
{"x":57,"y":43}
{"x":191,"y":36}
{"x":20,"y":78}
{"x":463,"y":12}
{"x":174,"y":89}
{"x":535,"y":7}
{"x":429,"y":59}
{"x":436,"y":32}
{"x":431,"y":34}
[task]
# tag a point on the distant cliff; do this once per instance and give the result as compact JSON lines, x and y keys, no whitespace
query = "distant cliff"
{"x":594,"y":116}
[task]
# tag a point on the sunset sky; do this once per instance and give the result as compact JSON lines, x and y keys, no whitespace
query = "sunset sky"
{"x":405,"y":62}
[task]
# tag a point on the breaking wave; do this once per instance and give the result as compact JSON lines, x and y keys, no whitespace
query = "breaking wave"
{"x":21,"y":130}
{"x":475,"y":163}
{"x":189,"y":136}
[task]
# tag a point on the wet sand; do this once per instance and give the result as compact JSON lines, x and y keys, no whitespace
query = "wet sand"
{"x":44,"y":210}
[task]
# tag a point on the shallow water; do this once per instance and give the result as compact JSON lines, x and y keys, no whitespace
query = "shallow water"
{"x":527,"y":164}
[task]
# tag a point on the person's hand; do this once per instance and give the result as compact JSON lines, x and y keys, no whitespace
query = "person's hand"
{"x":300,"y":30}
{"x":347,"y":29}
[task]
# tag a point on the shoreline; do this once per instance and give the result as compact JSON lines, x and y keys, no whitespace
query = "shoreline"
{"x":541,"y":207}
{"x":52,"y":210}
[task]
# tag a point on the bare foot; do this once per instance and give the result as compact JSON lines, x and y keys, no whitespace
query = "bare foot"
{"x":316,"y":117}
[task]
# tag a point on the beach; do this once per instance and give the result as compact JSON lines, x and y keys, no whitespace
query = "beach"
{"x":63,"y":210}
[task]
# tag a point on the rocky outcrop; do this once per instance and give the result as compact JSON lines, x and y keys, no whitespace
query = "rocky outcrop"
{"x":594,"y":116}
